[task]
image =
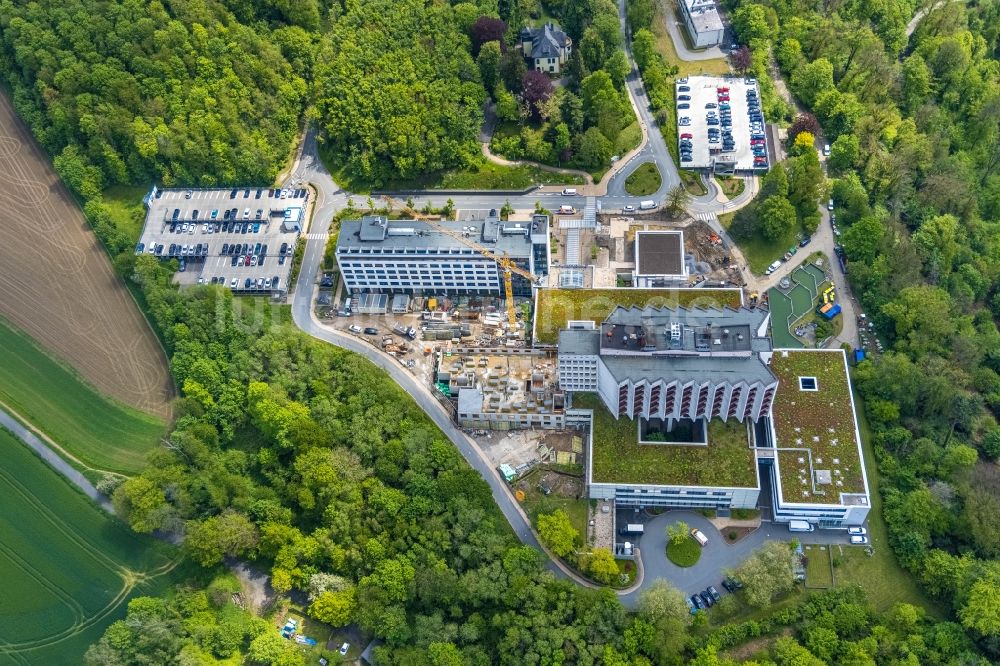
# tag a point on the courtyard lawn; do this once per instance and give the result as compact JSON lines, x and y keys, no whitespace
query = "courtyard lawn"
{"x":684,"y":553}
{"x":643,"y":181}
{"x":617,"y":456}
{"x":99,"y":432}
{"x":68,"y":568}
{"x":555,"y":307}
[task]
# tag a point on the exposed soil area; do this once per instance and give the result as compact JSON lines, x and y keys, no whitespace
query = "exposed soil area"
{"x":59,"y":286}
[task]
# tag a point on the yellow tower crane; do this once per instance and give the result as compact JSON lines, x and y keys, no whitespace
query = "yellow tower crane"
{"x":506,"y":264}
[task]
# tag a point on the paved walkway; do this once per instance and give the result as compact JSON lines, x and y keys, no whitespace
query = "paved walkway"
{"x":16,"y":428}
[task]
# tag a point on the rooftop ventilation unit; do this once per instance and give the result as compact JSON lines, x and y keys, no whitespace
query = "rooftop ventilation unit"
{"x":675,"y":331}
{"x":401,"y":231}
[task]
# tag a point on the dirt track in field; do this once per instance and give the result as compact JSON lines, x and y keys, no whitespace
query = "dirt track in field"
{"x":59,"y":286}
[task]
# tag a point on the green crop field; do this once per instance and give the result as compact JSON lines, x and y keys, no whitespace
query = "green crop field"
{"x":68,"y":569}
{"x":100,"y":432}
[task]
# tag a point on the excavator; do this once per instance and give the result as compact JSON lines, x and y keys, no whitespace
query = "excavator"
{"x":507,"y":266}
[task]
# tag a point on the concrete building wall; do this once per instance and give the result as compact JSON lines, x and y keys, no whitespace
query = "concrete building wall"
{"x":578,"y":372}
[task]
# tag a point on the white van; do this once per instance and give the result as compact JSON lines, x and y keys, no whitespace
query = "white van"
{"x":566,"y":210}
{"x":800,"y":526}
{"x":773,"y":267}
{"x":569,"y":192}
{"x":648,"y":204}
{"x":699,"y":536}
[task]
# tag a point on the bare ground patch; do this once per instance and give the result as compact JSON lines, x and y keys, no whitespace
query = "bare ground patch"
{"x":59,"y":286}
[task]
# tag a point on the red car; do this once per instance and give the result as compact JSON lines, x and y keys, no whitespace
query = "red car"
{"x":247,"y":261}
{"x":723,"y":98}
{"x":687,"y":136}
{"x":722,"y":89}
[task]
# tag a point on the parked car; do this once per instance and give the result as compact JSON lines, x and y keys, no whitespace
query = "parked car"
{"x":371,"y":330}
{"x":697,"y":601}
{"x":714,"y":593}
{"x":344,"y":648}
{"x":354,"y":328}
{"x":707,"y":598}
{"x":859,"y":540}
{"x":683,"y":105}
{"x":857,"y":531}
{"x":628,"y":208}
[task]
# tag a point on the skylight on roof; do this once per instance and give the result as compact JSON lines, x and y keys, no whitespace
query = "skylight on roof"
{"x":808,"y":384}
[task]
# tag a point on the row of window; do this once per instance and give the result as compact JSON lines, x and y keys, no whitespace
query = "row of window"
{"x":357,"y":265}
{"x":402,"y":251}
{"x":673,"y":491}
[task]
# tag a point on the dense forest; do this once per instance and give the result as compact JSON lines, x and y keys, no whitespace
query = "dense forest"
{"x":126,"y":91}
{"x":914,"y":126}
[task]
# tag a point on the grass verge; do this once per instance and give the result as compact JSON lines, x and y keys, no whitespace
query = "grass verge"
{"x":124,"y":203}
{"x":644,"y":180}
{"x":759,"y":251}
{"x":883,"y":579}
{"x":732,"y":187}
{"x":692,"y":182}
{"x":484,"y":175}
{"x":100,"y":432}
{"x":819,"y":569}
{"x":684,"y":553}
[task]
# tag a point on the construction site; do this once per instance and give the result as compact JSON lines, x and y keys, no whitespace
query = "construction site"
{"x":705,"y":259}
{"x":501,"y":391}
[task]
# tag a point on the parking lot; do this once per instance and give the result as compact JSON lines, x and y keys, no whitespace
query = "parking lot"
{"x":242,"y":238}
{"x":720,"y":125}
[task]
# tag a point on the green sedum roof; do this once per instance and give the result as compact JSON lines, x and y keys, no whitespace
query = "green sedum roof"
{"x":617,"y":456}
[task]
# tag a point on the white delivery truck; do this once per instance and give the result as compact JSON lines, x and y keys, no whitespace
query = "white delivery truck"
{"x":699,"y":536}
{"x":648,"y":204}
{"x":800,"y":526}
{"x":566,"y":210}
{"x":631,"y":528}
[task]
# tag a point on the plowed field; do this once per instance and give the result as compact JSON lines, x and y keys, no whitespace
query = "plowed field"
{"x":58,"y":285}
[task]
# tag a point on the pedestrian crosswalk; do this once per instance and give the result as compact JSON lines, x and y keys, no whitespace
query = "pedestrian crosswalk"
{"x":590,"y":213}
{"x":705,"y":217}
{"x":316,"y":236}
